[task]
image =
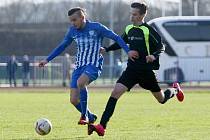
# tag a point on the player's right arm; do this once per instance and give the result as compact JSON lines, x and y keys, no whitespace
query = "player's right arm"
{"x":115,"y":46}
{"x":110,"y":34}
{"x":131,"y":54}
{"x":59,"y":49}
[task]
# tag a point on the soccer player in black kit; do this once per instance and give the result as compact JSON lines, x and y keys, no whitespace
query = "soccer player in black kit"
{"x":147,"y":42}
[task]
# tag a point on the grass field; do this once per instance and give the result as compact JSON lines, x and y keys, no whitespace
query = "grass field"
{"x":137,"y":116}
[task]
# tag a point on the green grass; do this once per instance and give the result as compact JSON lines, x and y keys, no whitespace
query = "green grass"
{"x":137,"y":116}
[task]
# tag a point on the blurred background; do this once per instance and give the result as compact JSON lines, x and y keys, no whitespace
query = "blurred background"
{"x":30,"y":29}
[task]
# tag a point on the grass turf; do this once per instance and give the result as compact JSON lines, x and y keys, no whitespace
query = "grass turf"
{"x":138,"y":116}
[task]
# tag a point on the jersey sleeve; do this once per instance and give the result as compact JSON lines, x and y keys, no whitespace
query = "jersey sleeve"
{"x":115,"y":46}
{"x":110,"y":34}
{"x":156,"y":40}
{"x":62,"y":46}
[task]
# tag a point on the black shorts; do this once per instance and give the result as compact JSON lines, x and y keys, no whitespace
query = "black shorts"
{"x":145,"y":79}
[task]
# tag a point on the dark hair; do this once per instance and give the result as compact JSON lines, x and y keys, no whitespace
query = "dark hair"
{"x":141,"y":6}
{"x":76,"y":9}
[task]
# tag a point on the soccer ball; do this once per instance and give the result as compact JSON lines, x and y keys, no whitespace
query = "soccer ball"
{"x":43,"y":126}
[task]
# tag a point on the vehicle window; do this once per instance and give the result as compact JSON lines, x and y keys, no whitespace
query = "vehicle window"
{"x":189,"y":30}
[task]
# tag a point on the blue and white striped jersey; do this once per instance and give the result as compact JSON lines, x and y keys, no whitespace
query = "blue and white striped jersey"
{"x":88,"y":40}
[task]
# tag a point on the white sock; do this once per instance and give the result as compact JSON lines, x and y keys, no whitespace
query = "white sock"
{"x":174,"y":91}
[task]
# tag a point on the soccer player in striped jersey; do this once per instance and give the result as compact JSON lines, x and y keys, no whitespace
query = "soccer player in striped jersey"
{"x":88,"y":37}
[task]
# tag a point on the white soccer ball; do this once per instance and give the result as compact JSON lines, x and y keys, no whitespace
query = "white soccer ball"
{"x":43,"y":126}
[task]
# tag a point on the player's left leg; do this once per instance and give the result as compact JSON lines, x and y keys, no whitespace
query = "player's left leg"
{"x":10,"y":79}
{"x":163,"y":97}
{"x":180,"y":93}
{"x":149,"y":82}
{"x":14,"y":78}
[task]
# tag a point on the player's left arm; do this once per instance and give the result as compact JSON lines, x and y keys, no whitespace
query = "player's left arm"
{"x":157,"y":43}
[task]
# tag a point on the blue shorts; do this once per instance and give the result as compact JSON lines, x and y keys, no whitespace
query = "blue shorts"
{"x":91,"y":71}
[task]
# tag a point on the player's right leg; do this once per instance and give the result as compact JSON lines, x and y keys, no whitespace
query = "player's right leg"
{"x":82,"y":82}
{"x":75,"y":100}
{"x":83,"y":103}
{"x":77,"y":95}
{"x":89,"y":74}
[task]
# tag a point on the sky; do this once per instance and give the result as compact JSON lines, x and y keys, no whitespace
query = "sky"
{"x":3,"y":2}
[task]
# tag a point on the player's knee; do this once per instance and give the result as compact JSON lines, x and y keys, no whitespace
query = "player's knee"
{"x":73,"y":101}
{"x":80,"y":85}
{"x":116,"y":94}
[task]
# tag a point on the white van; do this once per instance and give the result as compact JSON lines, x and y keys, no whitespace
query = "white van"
{"x":187,"y":42}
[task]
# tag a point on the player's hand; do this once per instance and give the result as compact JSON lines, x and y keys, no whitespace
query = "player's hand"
{"x":150,"y":58}
{"x":102,"y":50}
{"x":43,"y":63}
{"x":133,"y":55}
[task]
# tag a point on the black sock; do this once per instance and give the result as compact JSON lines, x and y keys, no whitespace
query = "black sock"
{"x":109,"y":110}
{"x":168,"y":95}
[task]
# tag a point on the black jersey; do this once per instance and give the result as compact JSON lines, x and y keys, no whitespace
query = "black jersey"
{"x":146,"y":41}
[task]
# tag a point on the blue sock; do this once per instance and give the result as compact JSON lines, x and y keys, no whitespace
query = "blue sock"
{"x":82,"y":107}
{"x":83,"y":101}
{"x":78,"y":107}
{"x":90,"y":115}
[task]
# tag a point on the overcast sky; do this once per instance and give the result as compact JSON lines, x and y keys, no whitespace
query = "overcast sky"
{"x":3,"y":2}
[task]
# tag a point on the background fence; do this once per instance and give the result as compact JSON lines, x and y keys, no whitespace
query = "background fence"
{"x":58,"y":72}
